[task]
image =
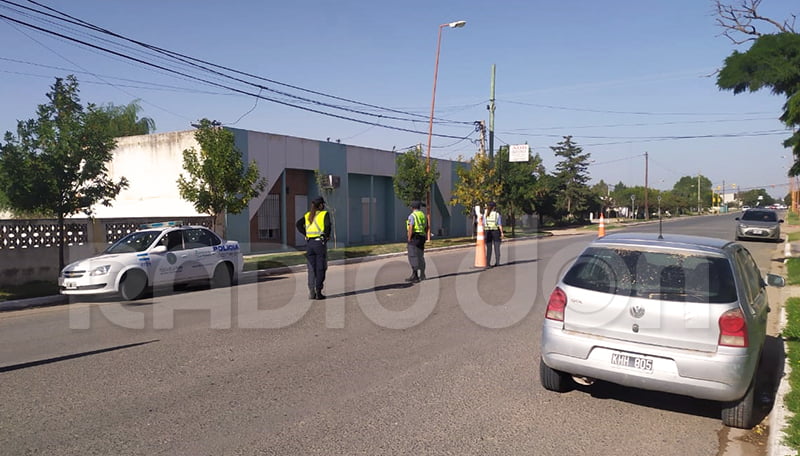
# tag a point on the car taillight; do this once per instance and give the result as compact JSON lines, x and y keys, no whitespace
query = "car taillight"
{"x":556,"y":305}
{"x":733,"y":329}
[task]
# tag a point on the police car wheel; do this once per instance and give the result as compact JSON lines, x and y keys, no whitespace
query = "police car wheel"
{"x":222,"y":277}
{"x":133,"y":285}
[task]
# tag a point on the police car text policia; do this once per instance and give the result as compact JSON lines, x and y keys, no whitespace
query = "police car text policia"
{"x":158,"y":254}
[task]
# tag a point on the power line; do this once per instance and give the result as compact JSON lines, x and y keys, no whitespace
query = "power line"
{"x":217,"y":84}
{"x":191,"y":61}
{"x":640,"y":113}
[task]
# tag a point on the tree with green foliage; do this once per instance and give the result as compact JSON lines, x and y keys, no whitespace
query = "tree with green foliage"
{"x":413,"y":179}
{"x":757,"y":197}
{"x":545,"y":196}
{"x":602,"y":192}
{"x":218,"y":181}
{"x":572,"y":174}
{"x":476,"y":185}
{"x":56,"y":165}
{"x":125,"y":120}
{"x":517,"y":184}
{"x":670,"y":204}
{"x":685,"y":189}
{"x":772,"y":62}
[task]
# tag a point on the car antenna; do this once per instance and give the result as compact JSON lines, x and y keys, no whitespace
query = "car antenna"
{"x":660,"y":218}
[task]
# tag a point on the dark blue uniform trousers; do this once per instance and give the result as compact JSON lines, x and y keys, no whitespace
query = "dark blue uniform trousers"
{"x":317,"y":259}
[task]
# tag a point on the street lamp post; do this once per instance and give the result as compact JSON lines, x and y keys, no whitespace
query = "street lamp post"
{"x":455,"y":24}
{"x":633,"y":206}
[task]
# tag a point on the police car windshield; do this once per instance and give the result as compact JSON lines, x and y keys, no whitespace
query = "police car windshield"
{"x":134,"y":242}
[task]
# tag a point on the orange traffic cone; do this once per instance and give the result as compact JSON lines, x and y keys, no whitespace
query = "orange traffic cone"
{"x":480,"y":246}
{"x":601,"y":230}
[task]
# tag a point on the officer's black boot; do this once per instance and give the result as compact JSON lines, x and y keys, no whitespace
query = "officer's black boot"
{"x":413,"y":278}
{"x":312,"y":293}
{"x":319,"y":294}
{"x":422,"y":275}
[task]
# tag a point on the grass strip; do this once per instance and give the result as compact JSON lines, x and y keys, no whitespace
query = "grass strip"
{"x":293,"y":258}
{"x":793,"y":271}
{"x":793,"y":218}
{"x":791,"y":335}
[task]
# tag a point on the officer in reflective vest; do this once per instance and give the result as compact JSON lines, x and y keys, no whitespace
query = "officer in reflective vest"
{"x":316,"y":227}
{"x":493,"y":228}
{"x":417,"y":234}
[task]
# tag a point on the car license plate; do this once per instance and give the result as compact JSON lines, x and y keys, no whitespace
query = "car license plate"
{"x":758,"y":232}
{"x":70,"y":285}
{"x":634,"y":362}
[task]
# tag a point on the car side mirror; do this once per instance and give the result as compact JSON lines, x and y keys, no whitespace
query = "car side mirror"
{"x":737,"y":218}
{"x":781,"y":220}
{"x":159,"y":249}
{"x":775,"y":280}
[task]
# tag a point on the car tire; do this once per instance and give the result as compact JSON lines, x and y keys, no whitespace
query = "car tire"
{"x":223,"y":277}
{"x":740,"y":414}
{"x":133,"y":285}
{"x":554,"y":380}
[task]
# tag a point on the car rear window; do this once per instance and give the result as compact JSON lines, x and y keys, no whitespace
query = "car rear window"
{"x":654,"y":275}
{"x":760,"y":216}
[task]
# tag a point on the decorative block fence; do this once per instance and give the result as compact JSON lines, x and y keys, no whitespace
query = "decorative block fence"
{"x":29,"y":248}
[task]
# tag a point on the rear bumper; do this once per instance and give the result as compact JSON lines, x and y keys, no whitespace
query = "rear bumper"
{"x":720,"y":376}
{"x":758,"y":233}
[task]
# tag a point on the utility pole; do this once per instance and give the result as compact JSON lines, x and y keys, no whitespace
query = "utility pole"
{"x":480,"y":125}
{"x":722,"y":200}
{"x":698,"y":193}
{"x":646,"y":206}
{"x":491,"y":117}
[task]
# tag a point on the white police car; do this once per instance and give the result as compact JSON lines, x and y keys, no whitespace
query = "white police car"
{"x":164,"y":253}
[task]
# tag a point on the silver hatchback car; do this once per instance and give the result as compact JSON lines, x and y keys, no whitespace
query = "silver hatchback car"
{"x":759,"y":224}
{"x":679,"y":314}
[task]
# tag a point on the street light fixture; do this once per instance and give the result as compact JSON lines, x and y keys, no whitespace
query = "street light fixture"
{"x":456,"y":24}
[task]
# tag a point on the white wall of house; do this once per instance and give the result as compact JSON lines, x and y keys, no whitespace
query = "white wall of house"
{"x":152,"y":164}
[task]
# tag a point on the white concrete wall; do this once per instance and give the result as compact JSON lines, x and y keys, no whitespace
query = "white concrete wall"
{"x":152,"y":164}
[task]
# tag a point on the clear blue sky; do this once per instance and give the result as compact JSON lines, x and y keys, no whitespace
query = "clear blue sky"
{"x":623,"y":77}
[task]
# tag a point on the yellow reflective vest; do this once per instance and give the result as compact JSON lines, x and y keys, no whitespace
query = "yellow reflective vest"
{"x":420,"y":224}
{"x":315,"y":228}
{"x":491,"y":220}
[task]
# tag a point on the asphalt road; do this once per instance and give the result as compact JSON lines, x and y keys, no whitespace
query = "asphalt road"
{"x":448,"y":366}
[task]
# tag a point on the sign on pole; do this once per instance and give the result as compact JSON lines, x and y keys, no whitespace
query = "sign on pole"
{"x":518,"y":153}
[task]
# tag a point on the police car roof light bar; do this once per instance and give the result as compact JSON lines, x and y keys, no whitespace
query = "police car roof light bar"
{"x":161,"y":224}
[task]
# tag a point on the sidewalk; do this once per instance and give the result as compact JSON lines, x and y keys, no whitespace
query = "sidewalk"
{"x":780,"y":415}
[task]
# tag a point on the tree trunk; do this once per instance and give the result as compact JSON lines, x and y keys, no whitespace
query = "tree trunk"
{"x":219,"y":225}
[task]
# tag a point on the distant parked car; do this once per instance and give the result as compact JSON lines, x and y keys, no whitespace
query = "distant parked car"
{"x":759,"y":224}
{"x":165,"y":253}
{"x":679,"y":314}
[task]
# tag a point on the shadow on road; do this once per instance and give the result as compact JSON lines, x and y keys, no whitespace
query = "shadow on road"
{"x":57,"y":359}
{"x":770,"y":372}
